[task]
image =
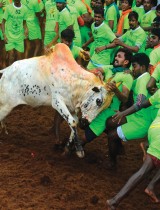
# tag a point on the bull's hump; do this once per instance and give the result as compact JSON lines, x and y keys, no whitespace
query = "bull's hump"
{"x":62,"y":63}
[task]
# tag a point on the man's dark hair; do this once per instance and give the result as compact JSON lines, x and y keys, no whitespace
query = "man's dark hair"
{"x":133,"y":14}
{"x":103,"y":1}
{"x":154,"y":3}
{"x":156,"y":22}
{"x":156,"y":32}
{"x":129,"y":2}
{"x":99,"y":10}
{"x":141,"y":59}
{"x":127,"y":54}
{"x":158,"y":7}
{"x":67,"y":34}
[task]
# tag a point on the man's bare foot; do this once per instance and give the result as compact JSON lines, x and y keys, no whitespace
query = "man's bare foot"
{"x":110,"y":206}
{"x":152,"y":195}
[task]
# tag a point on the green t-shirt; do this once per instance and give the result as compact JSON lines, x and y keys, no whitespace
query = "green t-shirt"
{"x":139,"y":87}
{"x":64,"y":19}
{"x":126,"y":80}
{"x":2,"y":9}
{"x":111,"y":14}
{"x":88,"y":2}
{"x":107,"y":72}
{"x":139,"y":10}
{"x":148,"y":51}
{"x":14,"y":17}
{"x":153,"y":133}
{"x":147,"y":18}
{"x":126,"y":22}
{"x":75,"y":15}
{"x":155,"y":56}
{"x":75,"y":51}
{"x":136,"y":37}
{"x":156,"y":73}
{"x":33,"y":6}
{"x":155,"y":99}
{"x":1,"y":12}
{"x":79,"y":5}
{"x":51,"y":12}
{"x":103,"y":35}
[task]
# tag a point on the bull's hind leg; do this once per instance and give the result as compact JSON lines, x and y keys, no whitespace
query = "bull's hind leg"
{"x":56,"y":127}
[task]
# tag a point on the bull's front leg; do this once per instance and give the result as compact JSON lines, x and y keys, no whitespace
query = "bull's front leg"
{"x":73,"y":144}
{"x":60,"y":106}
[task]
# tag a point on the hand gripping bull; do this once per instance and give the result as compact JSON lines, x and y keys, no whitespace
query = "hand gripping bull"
{"x":54,"y":80}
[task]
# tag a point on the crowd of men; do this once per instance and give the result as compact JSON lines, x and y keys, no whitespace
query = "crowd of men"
{"x":107,"y":38}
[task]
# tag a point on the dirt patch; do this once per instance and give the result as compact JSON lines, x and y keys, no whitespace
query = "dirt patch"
{"x":34,"y":176}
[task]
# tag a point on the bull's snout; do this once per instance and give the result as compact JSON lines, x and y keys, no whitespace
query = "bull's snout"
{"x":83,"y":123}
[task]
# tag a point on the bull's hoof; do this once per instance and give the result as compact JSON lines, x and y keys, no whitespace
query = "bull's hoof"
{"x":80,"y":154}
{"x":69,"y":148}
{"x":79,"y":149}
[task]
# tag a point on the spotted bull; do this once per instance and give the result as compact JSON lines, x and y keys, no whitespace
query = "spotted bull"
{"x":53,"y":80}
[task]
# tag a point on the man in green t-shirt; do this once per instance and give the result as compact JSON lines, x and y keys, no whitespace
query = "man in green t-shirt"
{"x":33,"y":42}
{"x":64,"y":17}
{"x":129,"y":128}
{"x":122,"y":61}
{"x":3,"y":4}
{"x":135,"y":38}
{"x":111,"y":14}
{"x":139,"y":8}
{"x":147,"y":19}
{"x":51,"y":24}
{"x":155,"y":44}
{"x":123,"y":24}
{"x":67,"y":37}
{"x":14,"y":30}
{"x":152,"y":159}
{"x":102,"y":36}
{"x":83,"y":17}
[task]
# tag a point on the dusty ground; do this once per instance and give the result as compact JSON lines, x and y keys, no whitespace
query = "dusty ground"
{"x":33,"y":176}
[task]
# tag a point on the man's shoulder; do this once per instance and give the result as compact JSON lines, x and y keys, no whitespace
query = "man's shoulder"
{"x":123,"y":76}
{"x":140,"y":32}
{"x":144,"y":77}
{"x":155,"y":51}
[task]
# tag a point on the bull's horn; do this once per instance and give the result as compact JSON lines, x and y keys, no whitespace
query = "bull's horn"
{"x":118,"y":84}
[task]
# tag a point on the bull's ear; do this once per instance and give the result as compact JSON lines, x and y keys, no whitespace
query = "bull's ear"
{"x":96,"y":89}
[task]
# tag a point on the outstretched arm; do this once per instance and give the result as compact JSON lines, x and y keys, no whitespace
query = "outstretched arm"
{"x":118,"y":42}
{"x":134,"y":108}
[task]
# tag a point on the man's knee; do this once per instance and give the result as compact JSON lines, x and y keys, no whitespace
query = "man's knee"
{"x":89,"y":134}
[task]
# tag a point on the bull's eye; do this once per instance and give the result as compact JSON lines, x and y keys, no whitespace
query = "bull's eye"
{"x":85,"y":106}
{"x":98,"y":102}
